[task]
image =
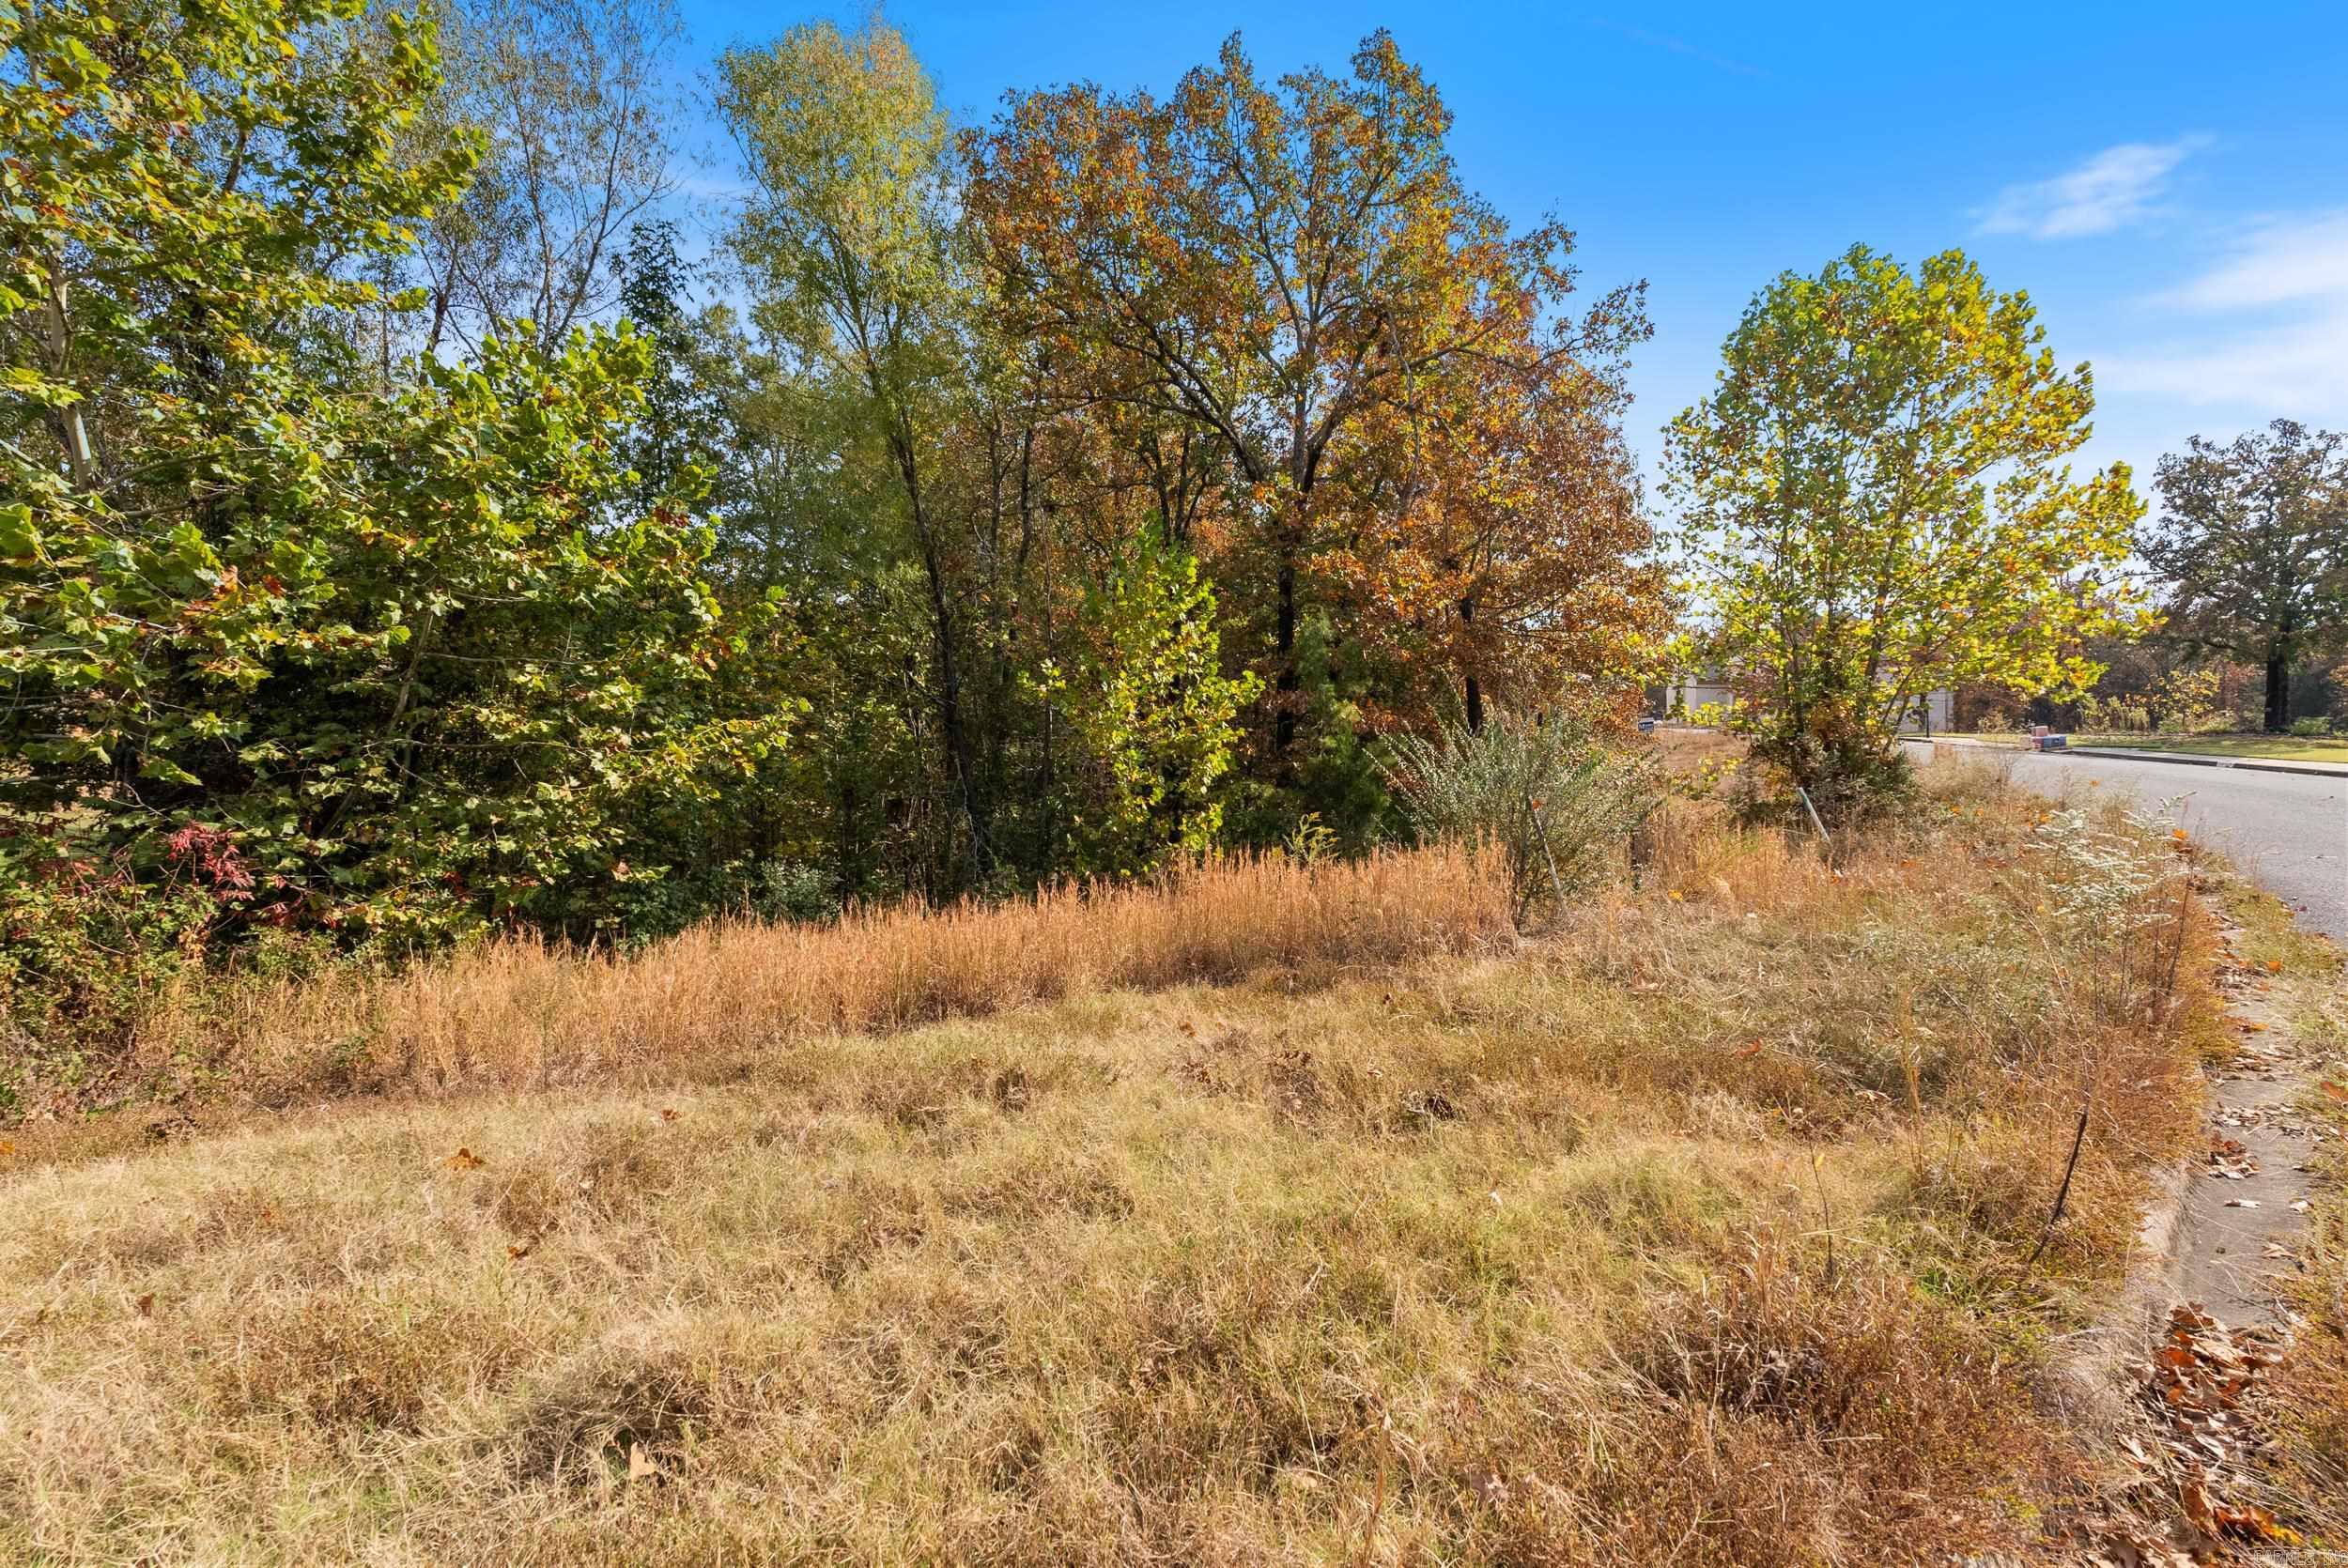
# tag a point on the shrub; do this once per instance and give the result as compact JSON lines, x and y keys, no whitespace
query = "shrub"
{"x":794,"y":890}
{"x":1555,"y":800}
{"x":2310,"y":728}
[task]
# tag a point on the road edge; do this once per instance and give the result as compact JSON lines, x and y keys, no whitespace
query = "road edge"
{"x":2129,"y":754}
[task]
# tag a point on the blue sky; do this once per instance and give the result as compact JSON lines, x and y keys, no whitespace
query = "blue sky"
{"x":2168,"y":182}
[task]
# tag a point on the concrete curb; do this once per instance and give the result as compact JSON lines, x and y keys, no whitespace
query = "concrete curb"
{"x":2128,"y":754}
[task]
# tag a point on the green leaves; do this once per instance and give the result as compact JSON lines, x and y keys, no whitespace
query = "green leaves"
{"x":20,"y":539}
{"x":1875,"y":506}
{"x":410,"y":648}
{"x":1153,"y":711}
{"x":2254,"y":541}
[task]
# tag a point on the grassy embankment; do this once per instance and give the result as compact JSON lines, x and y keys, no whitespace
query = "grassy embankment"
{"x":1301,"y":1214}
{"x":2281,"y":748}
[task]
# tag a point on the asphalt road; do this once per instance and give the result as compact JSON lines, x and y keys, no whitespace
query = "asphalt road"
{"x":2289,"y":832}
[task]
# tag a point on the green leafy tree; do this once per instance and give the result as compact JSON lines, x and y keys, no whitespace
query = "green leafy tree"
{"x":176,"y":180}
{"x":1151,"y":714}
{"x":1875,"y":505}
{"x":407,"y":661}
{"x":850,"y":243}
{"x":2253,"y":539}
{"x":681,"y":426}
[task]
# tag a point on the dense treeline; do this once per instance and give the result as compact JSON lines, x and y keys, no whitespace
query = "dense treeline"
{"x":407,"y":527}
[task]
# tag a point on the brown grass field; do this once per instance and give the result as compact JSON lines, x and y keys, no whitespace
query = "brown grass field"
{"x":1293,"y":1214}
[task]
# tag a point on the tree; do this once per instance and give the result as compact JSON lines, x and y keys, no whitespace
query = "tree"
{"x":571,"y":104}
{"x":407,"y":661}
{"x":849,"y":239}
{"x":2253,"y":540}
{"x":1509,"y":562}
{"x":1273,"y":269}
{"x":1151,"y":713}
{"x":174,"y":179}
{"x":1875,"y":505}
{"x":682,"y":425}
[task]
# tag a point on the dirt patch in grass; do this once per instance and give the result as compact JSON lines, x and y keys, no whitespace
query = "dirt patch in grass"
{"x":1694,"y":1231}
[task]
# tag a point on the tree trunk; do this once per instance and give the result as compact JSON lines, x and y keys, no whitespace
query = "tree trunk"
{"x":953,"y":735}
{"x":2277,"y":695}
{"x":1286,"y":682}
{"x":1475,"y":694}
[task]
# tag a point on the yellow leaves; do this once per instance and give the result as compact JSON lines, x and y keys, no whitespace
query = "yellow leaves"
{"x":2252,"y":1522}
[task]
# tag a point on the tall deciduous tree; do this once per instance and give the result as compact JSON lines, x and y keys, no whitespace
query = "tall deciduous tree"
{"x":2253,"y":539}
{"x":574,"y":111}
{"x":411,"y":658}
{"x":1273,"y":266}
{"x":850,"y":241}
{"x":1875,"y":505}
{"x":1501,"y":550}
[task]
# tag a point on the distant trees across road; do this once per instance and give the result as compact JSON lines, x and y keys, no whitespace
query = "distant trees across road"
{"x":2252,"y":541}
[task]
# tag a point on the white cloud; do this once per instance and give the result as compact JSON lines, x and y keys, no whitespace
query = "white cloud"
{"x":2272,"y":331}
{"x":2115,"y":188}
{"x":2277,"y":263}
{"x":2300,"y":370}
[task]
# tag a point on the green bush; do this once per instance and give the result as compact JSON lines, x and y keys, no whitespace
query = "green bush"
{"x":1552,"y":795}
{"x":796,"y":891}
{"x":91,"y":946}
{"x":2310,"y":728}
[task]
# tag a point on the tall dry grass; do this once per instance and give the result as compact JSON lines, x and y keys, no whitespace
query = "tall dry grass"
{"x":521,"y":1013}
{"x":1704,"y":1231}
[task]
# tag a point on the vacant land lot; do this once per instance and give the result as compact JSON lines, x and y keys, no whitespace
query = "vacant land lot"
{"x":1699,"y":1229}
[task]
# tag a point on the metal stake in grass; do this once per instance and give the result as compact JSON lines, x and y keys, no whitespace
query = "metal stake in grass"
{"x":1824,"y":838}
{"x":2062,"y":1195}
